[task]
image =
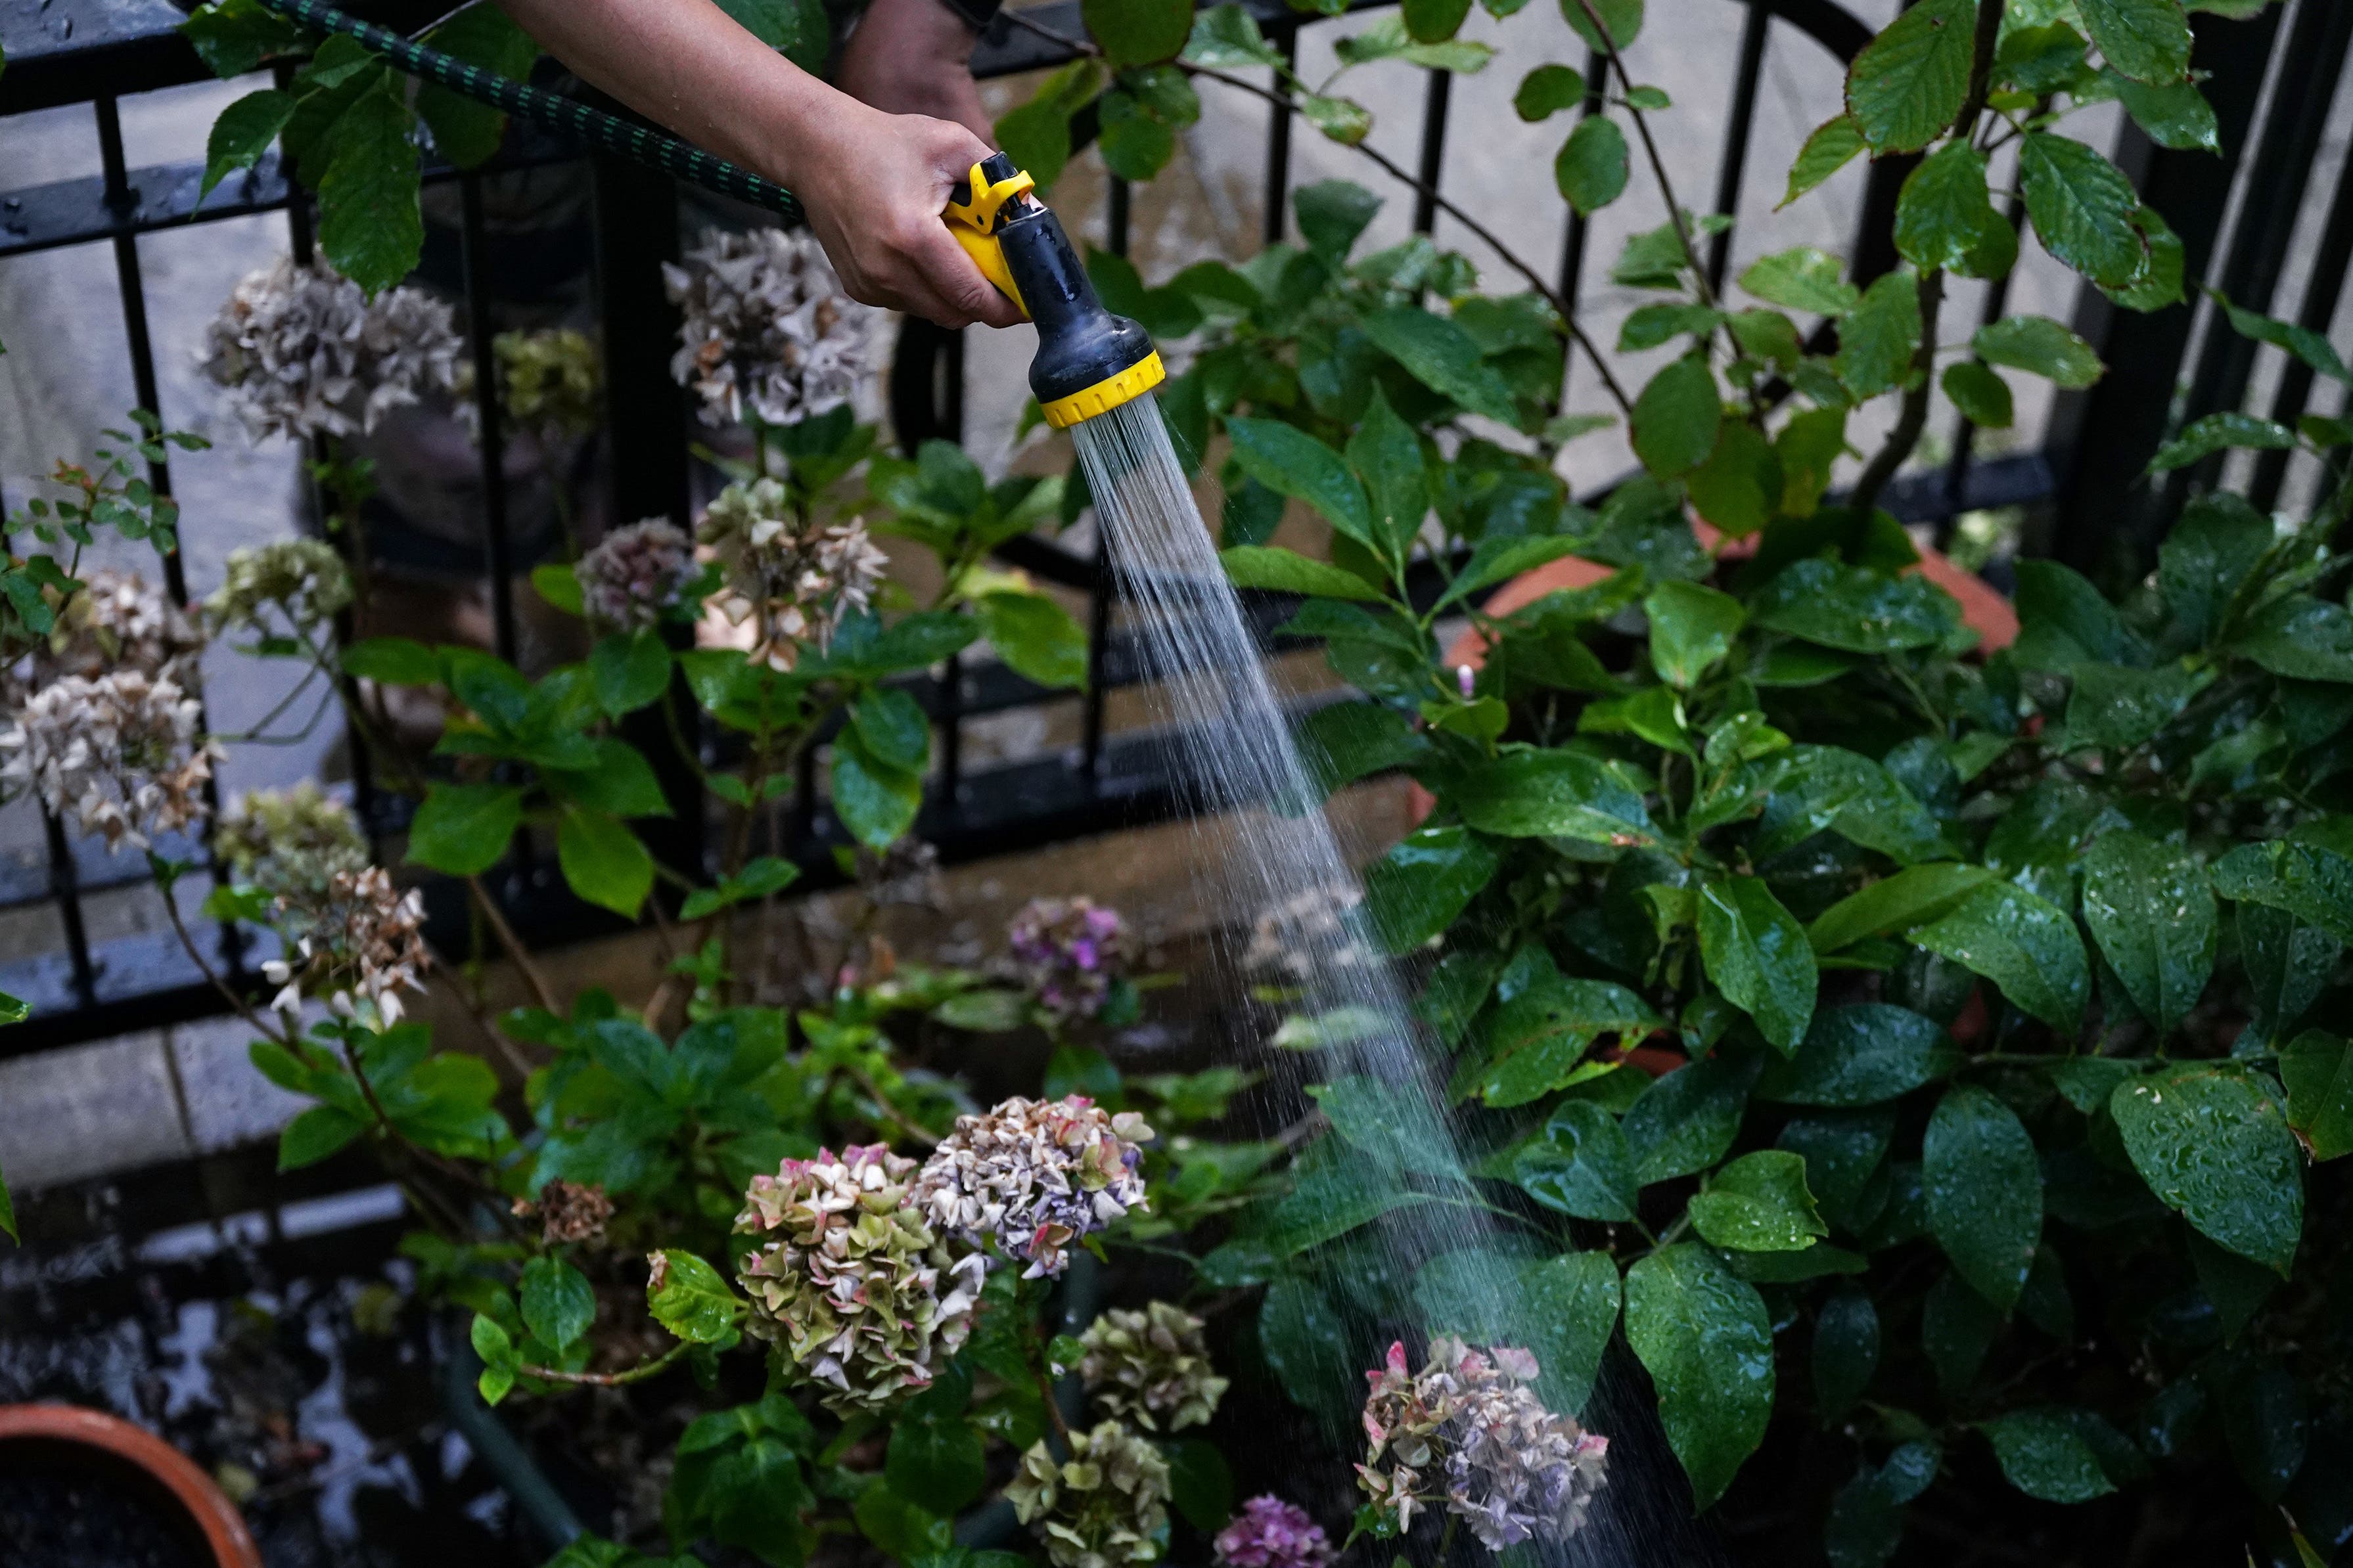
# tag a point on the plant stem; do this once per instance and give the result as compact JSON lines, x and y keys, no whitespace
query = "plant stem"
{"x":638,"y":1374}
{"x":1914,"y":419}
{"x":245,"y":1008}
{"x":1651,"y":151}
{"x":865,"y":1080}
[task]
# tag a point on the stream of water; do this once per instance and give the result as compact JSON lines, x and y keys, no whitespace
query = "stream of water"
{"x":1236,"y":750}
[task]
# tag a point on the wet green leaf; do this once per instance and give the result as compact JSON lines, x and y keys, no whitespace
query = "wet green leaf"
{"x":557,"y":1304}
{"x":2147,"y":41}
{"x":2048,"y":1453}
{"x":1592,"y":167}
{"x":2212,"y":1140}
{"x":689,"y":1298}
{"x":463,"y":829}
{"x":2153,"y":914}
{"x":1854,"y":608}
{"x":1985,"y":1192}
{"x":1758,"y":956}
{"x":1758,"y":1203}
{"x":1845,"y":1352}
{"x":1804,"y":279}
{"x":1580,"y":1164}
{"x":1906,"y":87}
{"x":2083,"y":208}
{"x":1707,"y":1342}
{"x":1686,"y":1120}
{"x":2040,"y":346}
{"x":2317,"y":1069}
{"x":1830,"y":147}
{"x":2022,"y":943}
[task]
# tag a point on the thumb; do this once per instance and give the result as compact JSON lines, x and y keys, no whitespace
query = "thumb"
{"x":959,"y":282}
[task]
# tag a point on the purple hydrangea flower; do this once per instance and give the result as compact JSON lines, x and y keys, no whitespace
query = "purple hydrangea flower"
{"x":1271,"y":1533}
{"x":1070,"y":951}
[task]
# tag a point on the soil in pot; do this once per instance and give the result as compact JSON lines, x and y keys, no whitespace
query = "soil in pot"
{"x":61,"y":1511}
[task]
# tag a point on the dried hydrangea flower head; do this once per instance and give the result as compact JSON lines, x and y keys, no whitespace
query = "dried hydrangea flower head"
{"x":359,"y":943}
{"x":551,"y":385}
{"x":119,"y":756}
{"x":303,"y":350}
{"x":1267,"y":1532}
{"x":767,"y":328}
{"x":304,"y":580}
{"x":1468,"y":1430}
{"x":1309,"y":934}
{"x":1035,"y":1175}
{"x":636,"y":575}
{"x":291,"y":842}
{"x":1151,"y":1367}
{"x":859,"y":1293}
{"x":792,"y":579}
{"x":114,"y":620}
{"x":1069,"y":951}
{"x":569,"y":1211}
{"x":1103,"y":1507}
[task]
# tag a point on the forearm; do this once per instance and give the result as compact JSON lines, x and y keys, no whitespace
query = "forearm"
{"x":689,"y":65}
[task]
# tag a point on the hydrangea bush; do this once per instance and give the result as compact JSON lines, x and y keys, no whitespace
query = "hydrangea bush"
{"x":1908,"y":1069}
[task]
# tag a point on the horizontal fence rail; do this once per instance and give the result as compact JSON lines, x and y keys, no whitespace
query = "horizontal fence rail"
{"x":2273,"y":80}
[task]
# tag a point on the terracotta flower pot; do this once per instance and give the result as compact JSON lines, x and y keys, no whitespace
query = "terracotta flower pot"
{"x":140,"y":1466}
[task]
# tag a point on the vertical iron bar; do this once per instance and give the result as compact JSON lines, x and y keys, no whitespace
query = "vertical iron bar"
{"x":1572,"y":243}
{"x":1735,"y":138}
{"x":2321,"y":297}
{"x":1433,"y":150}
{"x":498,"y":558}
{"x":2313,"y":58}
{"x":1115,"y":217}
{"x":65,"y":884}
{"x":1278,"y":138}
{"x":951,"y":714}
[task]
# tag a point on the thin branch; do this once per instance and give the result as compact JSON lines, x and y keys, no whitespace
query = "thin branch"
{"x":638,"y":1374}
{"x":245,"y":1008}
{"x":1914,"y":419}
{"x":1650,"y":151}
{"x":891,"y":1112}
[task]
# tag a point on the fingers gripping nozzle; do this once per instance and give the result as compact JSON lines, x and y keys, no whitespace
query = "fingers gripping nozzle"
{"x":1089,"y":359}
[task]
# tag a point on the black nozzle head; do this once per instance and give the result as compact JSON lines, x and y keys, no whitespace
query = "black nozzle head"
{"x":1081,"y":345}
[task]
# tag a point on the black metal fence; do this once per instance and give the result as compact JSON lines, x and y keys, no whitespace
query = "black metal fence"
{"x":2273,"y":80}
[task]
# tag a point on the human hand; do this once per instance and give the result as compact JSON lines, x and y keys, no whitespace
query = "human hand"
{"x":875,"y":199}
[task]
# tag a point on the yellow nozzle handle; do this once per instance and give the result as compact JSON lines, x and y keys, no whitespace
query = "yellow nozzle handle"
{"x":974,"y":222}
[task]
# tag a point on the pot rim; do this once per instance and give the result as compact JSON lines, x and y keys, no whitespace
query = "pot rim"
{"x":216,"y":1518}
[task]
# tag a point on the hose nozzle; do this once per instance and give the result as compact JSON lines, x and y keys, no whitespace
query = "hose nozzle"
{"x":1089,"y":361}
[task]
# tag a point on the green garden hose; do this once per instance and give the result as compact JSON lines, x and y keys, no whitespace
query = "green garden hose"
{"x":608,"y":132}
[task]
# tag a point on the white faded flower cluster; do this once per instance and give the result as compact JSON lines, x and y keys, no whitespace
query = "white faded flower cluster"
{"x":1152,"y":1366}
{"x":1467,"y":1430}
{"x":119,"y":756}
{"x":1105,"y":1506}
{"x":1310,"y":933}
{"x":360,"y":943}
{"x":304,"y":579}
{"x":856,"y":1288}
{"x":767,"y":328}
{"x":291,"y":842}
{"x":114,"y":621}
{"x":303,"y":351}
{"x":635,"y":575}
{"x":1035,"y":1175}
{"x":792,"y":580}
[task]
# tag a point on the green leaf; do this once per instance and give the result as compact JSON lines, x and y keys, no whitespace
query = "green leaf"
{"x":628,"y":672}
{"x":1707,"y":1342}
{"x":876,"y":801}
{"x":1426,"y":880}
{"x":1442,"y":356}
{"x":1854,"y":608}
{"x":1739,"y":489}
{"x":891,"y":724}
{"x":1759,"y":1203}
{"x":1830,"y":147}
{"x":392,"y":661}
{"x":1306,"y":1347}
{"x":1229,"y":36}
{"x":371,"y":229}
{"x":2287,"y":963}
{"x":465,"y":131}
{"x":314,"y":1134}
{"x":898,"y":1526}
{"x":1906,"y":88}
{"x":1592,"y":167}
{"x":1623,"y":18}
{"x":2040,"y":346}
{"x":1386,"y":457}
{"x":689,"y":1298}
{"x":2153,"y":914}
{"x":1864,"y":1054}
{"x":2306,"y":343}
{"x":242,"y":134}
{"x":463,"y":829}
{"x":1802,"y":279}
{"x":1580,"y":1165}
{"x":1290,"y":462}
{"x":2083,"y":208}
{"x":1551,"y":794}
{"x":1343,"y":119}
{"x":234,"y":36}
{"x":2212,"y":1140}
{"x":1676,"y":417}
{"x":2317,"y":1069}
{"x":1982,"y":396}
{"x":1912,"y":897}
{"x":2176,"y":116}
{"x":1562,"y":1310}
{"x":1686,"y":1120}
{"x":2309,"y":874}
{"x":1531,"y":1042}
{"x":2147,"y":41}
{"x":1546,"y":91}
{"x":1332,"y":214}
{"x":2046,"y":1453}
{"x":1138,"y":32}
{"x":1758,"y":956}
{"x":1845,"y":1353}
{"x":557,"y":1304}
{"x":797,"y":28}
{"x":937,"y":1458}
{"x":1037,"y":136}
{"x":1692,"y":629}
{"x":497,"y":1351}
{"x":1036,"y":636}
{"x":604,"y":862}
{"x":2022,"y":943}
{"x":1199,"y":1483}
{"x":2116,"y":708}
{"x":1943,"y":213}
{"x":7,"y":1214}
{"x":1880,"y":336}
{"x":1985,"y":1192}
{"x":2301,"y":637}
{"x":2202,"y":438}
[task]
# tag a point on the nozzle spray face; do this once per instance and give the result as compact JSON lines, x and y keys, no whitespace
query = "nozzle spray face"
{"x":1089,"y":359}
